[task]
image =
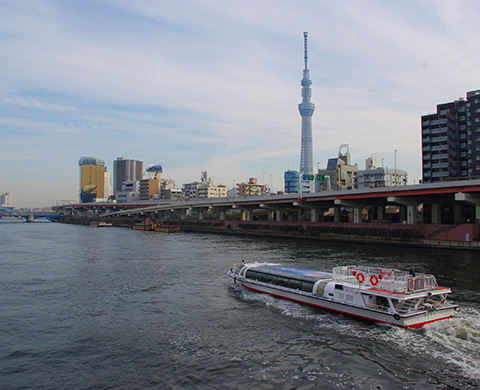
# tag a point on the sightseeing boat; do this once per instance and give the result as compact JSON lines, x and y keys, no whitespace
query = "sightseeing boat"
{"x":167,"y":228}
{"x":147,"y":225}
{"x":382,"y":295}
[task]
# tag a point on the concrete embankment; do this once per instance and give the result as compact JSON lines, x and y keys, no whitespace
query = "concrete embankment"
{"x":464,"y":236}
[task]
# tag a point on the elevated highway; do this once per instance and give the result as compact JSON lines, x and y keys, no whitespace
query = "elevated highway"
{"x":440,"y":203}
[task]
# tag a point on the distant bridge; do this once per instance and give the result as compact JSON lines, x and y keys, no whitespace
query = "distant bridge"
{"x":29,"y":217}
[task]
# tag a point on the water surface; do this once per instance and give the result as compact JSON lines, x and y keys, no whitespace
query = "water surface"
{"x":99,"y":308}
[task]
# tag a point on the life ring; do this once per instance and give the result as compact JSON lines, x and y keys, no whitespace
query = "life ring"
{"x":396,"y":316}
{"x":374,"y":280}
{"x":360,"y":276}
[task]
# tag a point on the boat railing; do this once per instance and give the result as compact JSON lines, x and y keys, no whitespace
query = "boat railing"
{"x":384,"y":279}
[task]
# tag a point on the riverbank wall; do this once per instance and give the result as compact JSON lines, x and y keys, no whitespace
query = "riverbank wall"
{"x":463,"y":236}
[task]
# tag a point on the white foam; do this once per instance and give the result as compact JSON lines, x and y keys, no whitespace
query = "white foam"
{"x":455,"y":341}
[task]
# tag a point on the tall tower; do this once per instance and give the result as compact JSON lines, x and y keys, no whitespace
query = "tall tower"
{"x":306,"y":109}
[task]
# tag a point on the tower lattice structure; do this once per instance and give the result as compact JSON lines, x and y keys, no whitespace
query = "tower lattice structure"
{"x":306,"y":108}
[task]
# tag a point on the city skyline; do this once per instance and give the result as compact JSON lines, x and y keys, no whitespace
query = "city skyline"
{"x":212,"y":86}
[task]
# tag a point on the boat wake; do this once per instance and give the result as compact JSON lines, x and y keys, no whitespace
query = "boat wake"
{"x":454,"y":342}
{"x":460,"y":338}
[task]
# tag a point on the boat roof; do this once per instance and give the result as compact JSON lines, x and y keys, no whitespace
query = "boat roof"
{"x":298,"y":273}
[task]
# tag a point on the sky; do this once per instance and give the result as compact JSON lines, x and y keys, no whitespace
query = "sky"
{"x":214,"y":85}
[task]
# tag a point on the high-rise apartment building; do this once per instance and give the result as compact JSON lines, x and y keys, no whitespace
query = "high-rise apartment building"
{"x":108,"y":190}
{"x":451,"y":140}
{"x":92,"y":179}
{"x":126,"y":170}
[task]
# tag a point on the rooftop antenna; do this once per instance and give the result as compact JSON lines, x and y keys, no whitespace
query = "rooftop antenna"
{"x":305,"y":37}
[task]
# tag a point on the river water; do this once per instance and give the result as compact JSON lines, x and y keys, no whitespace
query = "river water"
{"x":111,"y":308}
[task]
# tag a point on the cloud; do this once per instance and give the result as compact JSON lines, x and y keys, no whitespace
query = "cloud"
{"x":34,"y":103}
{"x":215,"y":85}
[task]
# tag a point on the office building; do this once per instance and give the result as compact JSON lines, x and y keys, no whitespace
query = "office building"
{"x":130,"y":192}
{"x":92,"y":179}
{"x":126,"y":170}
{"x":291,"y":181}
{"x":451,"y":140}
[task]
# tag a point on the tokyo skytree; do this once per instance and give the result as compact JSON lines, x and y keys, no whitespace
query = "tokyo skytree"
{"x":306,"y":109}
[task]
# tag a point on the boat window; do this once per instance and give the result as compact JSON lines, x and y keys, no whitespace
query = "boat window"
{"x":282,"y":281}
{"x":294,"y":283}
{"x":376,"y":302}
{"x":269,"y":278}
{"x":339,"y":286}
{"x":306,"y":286}
{"x":404,"y":306}
{"x":239,"y":269}
{"x":382,"y":303}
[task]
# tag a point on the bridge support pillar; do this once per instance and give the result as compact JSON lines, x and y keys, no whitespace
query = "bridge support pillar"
{"x":30,"y":217}
{"x":408,"y":209}
{"x":201,"y":215}
{"x":357,"y":215}
{"x":223,"y":215}
{"x":411,"y":214}
{"x":183,"y":214}
{"x":457,"y":213}
{"x":357,"y":208}
{"x":299,"y":214}
{"x":436,"y":214}
{"x":471,"y":199}
{"x":381,"y":213}
{"x":337,"y":214}
{"x":279,"y":215}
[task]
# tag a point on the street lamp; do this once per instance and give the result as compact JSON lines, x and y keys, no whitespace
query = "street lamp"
{"x":395,"y":175}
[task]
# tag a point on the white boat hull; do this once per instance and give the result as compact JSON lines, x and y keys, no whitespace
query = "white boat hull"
{"x":415,"y":320}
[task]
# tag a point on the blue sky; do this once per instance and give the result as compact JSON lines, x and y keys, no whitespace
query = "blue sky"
{"x":215,"y":85}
